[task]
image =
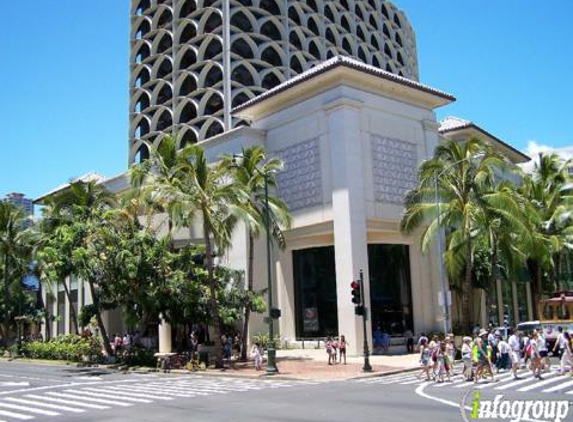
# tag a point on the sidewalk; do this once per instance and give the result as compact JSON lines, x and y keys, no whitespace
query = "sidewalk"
{"x":312,"y":364}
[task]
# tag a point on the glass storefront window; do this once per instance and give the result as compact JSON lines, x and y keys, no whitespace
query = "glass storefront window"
{"x":390,"y":288}
{"x":315,"y":292}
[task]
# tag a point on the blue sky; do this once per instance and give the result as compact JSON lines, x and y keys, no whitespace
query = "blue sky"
{"x":64,"y":72}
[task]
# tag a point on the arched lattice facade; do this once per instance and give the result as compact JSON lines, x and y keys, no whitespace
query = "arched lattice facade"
{"x":179,"y":63}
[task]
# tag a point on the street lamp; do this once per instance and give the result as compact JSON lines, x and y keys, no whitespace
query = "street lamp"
{"x":271,"y":351}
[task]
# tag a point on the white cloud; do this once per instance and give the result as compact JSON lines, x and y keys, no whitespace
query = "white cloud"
{"x":533,"y":149}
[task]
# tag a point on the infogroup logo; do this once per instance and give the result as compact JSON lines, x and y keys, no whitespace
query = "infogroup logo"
{"x":512,"y":410}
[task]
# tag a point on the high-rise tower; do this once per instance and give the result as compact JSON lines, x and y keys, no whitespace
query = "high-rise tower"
{"x":193,"y":60}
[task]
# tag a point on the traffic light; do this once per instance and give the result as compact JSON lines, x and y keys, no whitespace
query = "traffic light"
{"x":356,"y":297}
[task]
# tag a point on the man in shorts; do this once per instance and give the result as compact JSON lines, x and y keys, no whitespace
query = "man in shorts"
{"x":515,"y":352}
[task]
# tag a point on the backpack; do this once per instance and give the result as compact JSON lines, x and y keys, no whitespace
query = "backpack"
{"x":528,"y":350}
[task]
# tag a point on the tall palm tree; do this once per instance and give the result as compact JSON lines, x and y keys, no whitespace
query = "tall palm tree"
{"x":14,"y":256}
{"x":157,"y":171}
{"x":55,"y":241}
{"x":548,"y":192}
{"x":466,"y":175}
{"x":250,"y":177}
{"x":71,"y":212}
{"x":200,"y":190}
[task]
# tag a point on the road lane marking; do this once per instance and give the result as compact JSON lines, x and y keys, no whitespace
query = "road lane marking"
{"x":91,"y":393}
{"x":84,"y":395}
{"x":66,"y":401}
{"x":541,"y":383}
{"x":15,"y":415}
{"x":116,"y":390}
{"x":48,"y":405}
{"x":29,"y":409}
{"x":154,"y":390}
{"x":518,"y":382}
{"x":558,"y":387}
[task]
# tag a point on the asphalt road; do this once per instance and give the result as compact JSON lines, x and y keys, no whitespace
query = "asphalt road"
{"x":66,"y":393}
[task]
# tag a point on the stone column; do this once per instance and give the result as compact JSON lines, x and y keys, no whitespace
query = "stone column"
{"x":80,"y":296}
{"x":348,"y":207}
{"x":499,"y":301}
{"x":164,"y":336}
{"x":44,"y":331}
{"x":67,"y":312}
{"x":529,"y":301}
{"x":514,"y":298}
{"x":54,"y":312}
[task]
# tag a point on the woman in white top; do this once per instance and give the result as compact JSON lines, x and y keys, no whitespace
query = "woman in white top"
{"x":503,"y":360}
{"x":536,"y":364}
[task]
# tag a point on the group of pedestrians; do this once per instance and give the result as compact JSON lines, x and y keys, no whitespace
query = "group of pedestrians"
{"x":488,"y":353}
{"x":437,"y":357}
{"x":122,"y":345}
{"x":336,"y":349}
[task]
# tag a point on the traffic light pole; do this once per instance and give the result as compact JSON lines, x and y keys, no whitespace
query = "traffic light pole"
{"x":366,"y":367}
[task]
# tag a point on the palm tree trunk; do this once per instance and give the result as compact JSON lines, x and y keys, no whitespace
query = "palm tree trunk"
{"x":213,"y":293}
{"x":102,"y":330}
{"x":467,"y":292}
{"x":249,"y":289}
{"x":73,"y":315}
{"x":556,"y":271}
{"x":6,"y":324}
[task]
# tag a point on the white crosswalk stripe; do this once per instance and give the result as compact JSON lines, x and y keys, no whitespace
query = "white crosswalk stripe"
{"x":15,"y":415}
{"x":66,"y":401}
{"x":47,"y":405}
{"x":559,"y":387}
{"x":124,"y":392}
{"x":541,"y":383}
{"x":550,"y":382}
{"x":29,"y":409}
{"x":83,"y":398}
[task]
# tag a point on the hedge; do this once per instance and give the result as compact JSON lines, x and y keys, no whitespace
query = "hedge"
{"x":71,"y":347}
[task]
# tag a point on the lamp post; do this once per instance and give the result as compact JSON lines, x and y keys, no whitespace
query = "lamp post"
{"x":271,"y":351}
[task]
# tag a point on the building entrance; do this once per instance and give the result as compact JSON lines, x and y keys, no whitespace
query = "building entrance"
{"x":390,"y":289}
{"x":315,"y":292}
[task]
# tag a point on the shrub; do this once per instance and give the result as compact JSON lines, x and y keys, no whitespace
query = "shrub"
{"x":263,"y":339}
{"x":139,"y":356}
{"x":71,"y":347}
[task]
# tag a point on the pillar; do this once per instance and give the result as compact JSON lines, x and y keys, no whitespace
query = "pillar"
{"x":44,"y":331}
{"x":499,"y":302}
{"x":348,"y":206}
{"x":54,"y":312}
{"x":529,"y":302}
{"x":67,"y":312}
{"x":164,"y":336}
{"x":515,"y":306}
